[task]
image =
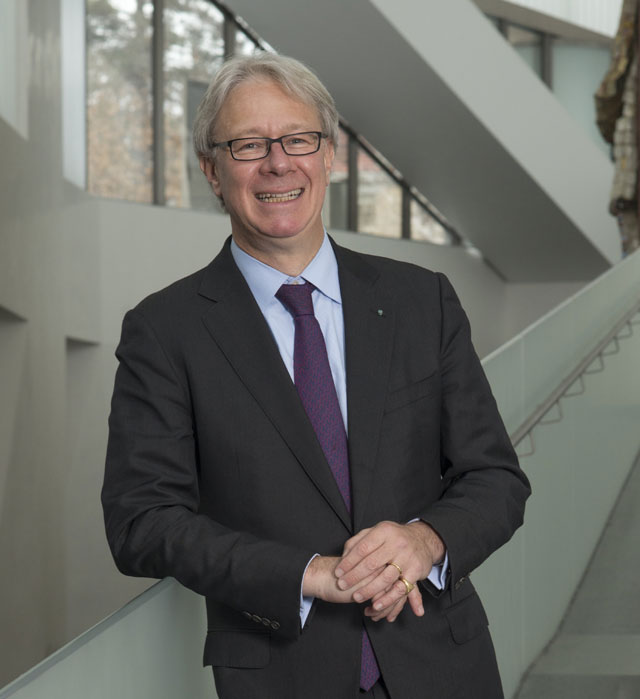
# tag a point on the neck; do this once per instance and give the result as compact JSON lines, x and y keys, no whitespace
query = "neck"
{"x":288,"y":256}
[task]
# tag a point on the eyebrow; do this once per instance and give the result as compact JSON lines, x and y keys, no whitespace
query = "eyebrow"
{"x":286,"y":129}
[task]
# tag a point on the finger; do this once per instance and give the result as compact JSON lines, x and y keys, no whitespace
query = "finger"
{"x":365,"y":545}
{"x":396,"y":592}
{"x":350,"y":543}
{"x":363,"y":583}
{"x":389,"y":613}
{"x":382,"y":583}
{"x":386,"y":542}
{"x":395,"y":611}
{"x":415,"y":601}
{"x":367,"y":588}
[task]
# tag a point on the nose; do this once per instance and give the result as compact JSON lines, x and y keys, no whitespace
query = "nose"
{"x":277,"y":161}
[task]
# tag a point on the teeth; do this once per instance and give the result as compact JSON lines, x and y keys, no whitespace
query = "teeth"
{"x":275,"y":198}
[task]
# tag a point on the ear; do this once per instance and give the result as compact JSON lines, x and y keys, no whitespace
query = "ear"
{"x":208,"y":167}
{"x":329,"y":154}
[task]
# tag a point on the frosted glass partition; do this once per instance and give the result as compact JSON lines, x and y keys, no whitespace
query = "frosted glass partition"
{"x":577,"y":469}
{"x":528,"y":368}
{"x":152,"y":647}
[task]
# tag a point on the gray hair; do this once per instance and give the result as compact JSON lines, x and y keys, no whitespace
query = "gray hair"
{"x":291,"y":75}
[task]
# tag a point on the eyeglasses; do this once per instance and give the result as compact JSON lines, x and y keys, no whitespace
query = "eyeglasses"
{"x":304,"y":143}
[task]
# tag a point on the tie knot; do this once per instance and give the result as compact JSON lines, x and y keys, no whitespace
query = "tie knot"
{"x":296,"y":298}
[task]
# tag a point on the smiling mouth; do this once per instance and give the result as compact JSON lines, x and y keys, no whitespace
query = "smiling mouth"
{"x":271,"y":198}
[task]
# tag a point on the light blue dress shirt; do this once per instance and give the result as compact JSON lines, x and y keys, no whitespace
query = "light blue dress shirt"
{"x":322,"y":272}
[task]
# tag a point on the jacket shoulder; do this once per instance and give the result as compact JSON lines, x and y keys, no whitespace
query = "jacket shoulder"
{"x":173,"y":300}
{"x":394,"y":273}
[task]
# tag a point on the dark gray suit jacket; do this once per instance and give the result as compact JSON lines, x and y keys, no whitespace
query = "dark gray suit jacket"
{"x":214,"y":476}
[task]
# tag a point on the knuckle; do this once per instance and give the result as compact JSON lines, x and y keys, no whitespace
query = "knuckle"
{"x":400,"y":588}
{"x":390,"y":574}
{"x":362,"y":549}
{"x":371,"y":564}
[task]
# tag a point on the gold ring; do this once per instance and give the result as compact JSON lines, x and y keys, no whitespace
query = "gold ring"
{"x":397,"y":567}
{"x":409,"y":586}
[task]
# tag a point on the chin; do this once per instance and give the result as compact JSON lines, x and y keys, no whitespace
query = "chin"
{"x":286,"y":229}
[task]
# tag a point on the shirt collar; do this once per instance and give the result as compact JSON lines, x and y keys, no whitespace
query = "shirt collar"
{"x":264,"y":281}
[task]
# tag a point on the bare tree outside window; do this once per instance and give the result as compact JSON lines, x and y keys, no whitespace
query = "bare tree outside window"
{"x":379,"y":199}
{"x":193,"y":52}
{"x":119,"y":99}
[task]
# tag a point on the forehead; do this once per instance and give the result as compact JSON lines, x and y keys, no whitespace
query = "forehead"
{"x":264,"y":108}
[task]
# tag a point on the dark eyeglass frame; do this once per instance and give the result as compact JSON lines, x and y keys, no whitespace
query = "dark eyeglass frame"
{"x":270,"y":142}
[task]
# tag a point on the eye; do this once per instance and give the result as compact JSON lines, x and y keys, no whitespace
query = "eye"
{"x":247,"y":146}
{"x":298,"y":140}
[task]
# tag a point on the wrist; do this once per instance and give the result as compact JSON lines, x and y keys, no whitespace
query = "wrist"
{"x":319,"y":572}
{"x":432,"y":541}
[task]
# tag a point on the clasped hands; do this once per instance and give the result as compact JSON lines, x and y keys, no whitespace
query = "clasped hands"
{"x":364,"y":572}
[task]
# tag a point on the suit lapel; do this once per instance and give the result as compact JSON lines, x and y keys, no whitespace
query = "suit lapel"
{"x":238,"y":327}
{"x":369,"y":325}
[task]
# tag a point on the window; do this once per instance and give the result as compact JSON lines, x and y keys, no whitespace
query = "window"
{"x":245,"y":45}
{"x":119,"y":104}
{"x":143,"y":91}
{"x":336,"y":205}
{"x":193,"y":52}
{"x":427,"y":228}
{"x":379,"y":199}
{"x":72,"y":63}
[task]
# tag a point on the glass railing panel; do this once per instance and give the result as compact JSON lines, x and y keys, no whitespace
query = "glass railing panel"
{"x":150,"y":648}
{"x":552,"y":346}
{"x":504,"y":371}
{"x":577,"y":465}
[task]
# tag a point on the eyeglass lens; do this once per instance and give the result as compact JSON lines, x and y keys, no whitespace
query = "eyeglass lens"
{"x":292,"y":144}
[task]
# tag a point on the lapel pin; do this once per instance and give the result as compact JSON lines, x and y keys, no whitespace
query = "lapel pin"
{"x":380,"y":312}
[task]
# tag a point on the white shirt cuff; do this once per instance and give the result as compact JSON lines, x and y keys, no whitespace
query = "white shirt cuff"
{"x":306,"y":601}
{"x":438,"y":574}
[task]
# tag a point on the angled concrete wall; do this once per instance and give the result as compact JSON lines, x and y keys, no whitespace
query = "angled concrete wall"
{"x":491,"y":146}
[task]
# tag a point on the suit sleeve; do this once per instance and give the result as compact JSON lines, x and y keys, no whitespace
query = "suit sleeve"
{"x":150,"y":495}
{"x":484,"y":489}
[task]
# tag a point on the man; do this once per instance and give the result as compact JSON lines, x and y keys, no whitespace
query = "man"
{"x":228,"y":464}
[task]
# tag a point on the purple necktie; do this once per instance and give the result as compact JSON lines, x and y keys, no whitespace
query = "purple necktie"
{"x":314,"y":383}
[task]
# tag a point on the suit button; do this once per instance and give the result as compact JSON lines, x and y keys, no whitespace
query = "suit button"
{"x":266,"y":622}
{"x":275,"y":625}
{"x":247,"y":615}
{"x":256,"y":618}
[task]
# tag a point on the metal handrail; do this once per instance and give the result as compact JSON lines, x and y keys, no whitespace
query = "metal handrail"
{"x":562,"y":390}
